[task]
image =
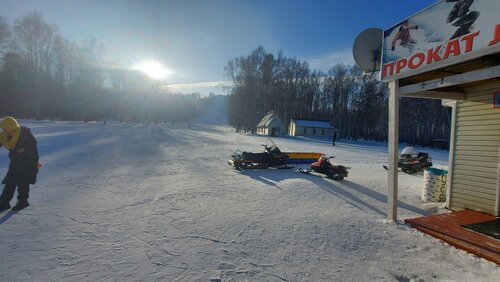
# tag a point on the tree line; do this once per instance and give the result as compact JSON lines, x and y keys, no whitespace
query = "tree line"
{"x":46,"y":76}
{"x":355,"y":103}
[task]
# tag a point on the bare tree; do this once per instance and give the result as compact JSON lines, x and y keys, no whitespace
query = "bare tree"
{"x":4,"y":36}
{"x":34,"y":41}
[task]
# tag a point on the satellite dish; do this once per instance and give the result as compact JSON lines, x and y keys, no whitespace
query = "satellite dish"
{"x":367,"y":49}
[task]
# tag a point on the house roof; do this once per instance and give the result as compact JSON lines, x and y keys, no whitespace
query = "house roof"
{"x":313,"y":123}
{"x":267,"y":119}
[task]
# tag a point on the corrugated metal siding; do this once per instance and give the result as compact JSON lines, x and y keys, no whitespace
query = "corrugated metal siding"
{"x":476,"y":155}
{"x":299,"y":131}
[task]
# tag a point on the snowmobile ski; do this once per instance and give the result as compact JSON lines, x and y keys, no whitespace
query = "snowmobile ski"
{"x":387,"y":168}
{"x":312,"y":172}
{"x":405,"y":170}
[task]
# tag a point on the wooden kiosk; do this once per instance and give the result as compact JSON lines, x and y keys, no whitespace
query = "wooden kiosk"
{"x":451,"y":51}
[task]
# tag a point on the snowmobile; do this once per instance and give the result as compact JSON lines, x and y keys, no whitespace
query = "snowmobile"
{"x":412,"y":162}
{"x":271,"y":157}
{"x":324,"y":166}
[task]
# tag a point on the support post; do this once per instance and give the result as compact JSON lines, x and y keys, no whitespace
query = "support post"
{"x":392,"y":195}
{"x":497,"y":205}
{"x":451,"y":154}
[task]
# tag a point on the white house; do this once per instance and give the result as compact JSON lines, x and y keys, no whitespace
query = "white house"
{"x":271,"y":125}
{"x":304,"y":127}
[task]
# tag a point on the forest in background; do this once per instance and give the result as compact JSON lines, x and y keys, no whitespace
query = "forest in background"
{"x":46,"y":76}
{"x":355,"y":103}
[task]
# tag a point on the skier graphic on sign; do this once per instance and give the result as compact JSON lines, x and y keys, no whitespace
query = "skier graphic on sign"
{"x":404,"y":36}
{"x":462,"y":17}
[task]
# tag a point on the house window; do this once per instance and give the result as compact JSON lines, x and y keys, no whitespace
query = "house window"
{"x":305,"y":131}
{"x":314,"y":130}
{"x":322,"y":132}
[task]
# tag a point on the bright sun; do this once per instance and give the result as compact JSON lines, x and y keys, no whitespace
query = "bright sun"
{"x":153,"y":69}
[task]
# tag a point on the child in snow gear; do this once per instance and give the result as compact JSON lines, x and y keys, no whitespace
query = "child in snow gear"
{"x":23,"y":167}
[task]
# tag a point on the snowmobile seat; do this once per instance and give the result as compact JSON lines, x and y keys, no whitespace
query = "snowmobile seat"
{"x":258,"y":157}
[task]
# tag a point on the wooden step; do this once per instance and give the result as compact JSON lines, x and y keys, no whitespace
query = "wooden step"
{"x":446,"y":227}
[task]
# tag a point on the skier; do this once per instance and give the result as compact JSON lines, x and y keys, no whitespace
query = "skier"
{"x":465,"y":18}
{"x":23,"y":167}
{"x":404,"y":35}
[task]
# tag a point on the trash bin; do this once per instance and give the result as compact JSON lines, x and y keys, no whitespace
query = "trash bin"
{"x":434,"y":185}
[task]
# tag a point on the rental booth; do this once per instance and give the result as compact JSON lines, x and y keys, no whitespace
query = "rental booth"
{"x":451,"y":51}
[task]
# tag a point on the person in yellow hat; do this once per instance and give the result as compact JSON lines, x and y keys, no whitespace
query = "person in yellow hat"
{"x":23,"y":167}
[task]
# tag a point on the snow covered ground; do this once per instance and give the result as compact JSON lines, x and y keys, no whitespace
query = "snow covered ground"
{"x":144,"y":202}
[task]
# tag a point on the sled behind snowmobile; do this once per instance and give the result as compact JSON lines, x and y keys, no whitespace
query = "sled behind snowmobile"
{"x":302,"y":157}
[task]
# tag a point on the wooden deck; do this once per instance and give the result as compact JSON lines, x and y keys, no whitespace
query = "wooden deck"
{"x":447,"y":227}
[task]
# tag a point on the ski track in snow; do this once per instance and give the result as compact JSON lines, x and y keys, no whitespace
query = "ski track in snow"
{"x":145,"y":202}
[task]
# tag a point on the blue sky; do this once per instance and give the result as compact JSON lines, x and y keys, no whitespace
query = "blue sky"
{"x":195,"y":39}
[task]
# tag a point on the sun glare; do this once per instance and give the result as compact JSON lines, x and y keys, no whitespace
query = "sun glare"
{"x":153,"y":69}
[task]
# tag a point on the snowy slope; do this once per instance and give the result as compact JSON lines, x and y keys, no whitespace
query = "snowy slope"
{"x":216,"y":114}
{"x":143,"y":203}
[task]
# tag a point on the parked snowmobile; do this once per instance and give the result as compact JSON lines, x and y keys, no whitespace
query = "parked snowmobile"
{"x":324,"y":166}
{"x":412,"y":162}
{"x":271,"y":157}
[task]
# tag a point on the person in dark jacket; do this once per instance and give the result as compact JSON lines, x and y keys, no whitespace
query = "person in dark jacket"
{"x":23,"y":167}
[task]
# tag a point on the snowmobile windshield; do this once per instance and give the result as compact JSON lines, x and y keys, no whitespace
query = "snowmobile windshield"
{"x":270,"y":143}
{"x":274,"y":149}
{"x":271,"y":147}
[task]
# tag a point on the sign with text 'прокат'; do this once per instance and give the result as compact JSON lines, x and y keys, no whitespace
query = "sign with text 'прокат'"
{"x":446,"y":33}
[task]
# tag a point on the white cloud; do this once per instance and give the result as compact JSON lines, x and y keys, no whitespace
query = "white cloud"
{"x":326,"y":61}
